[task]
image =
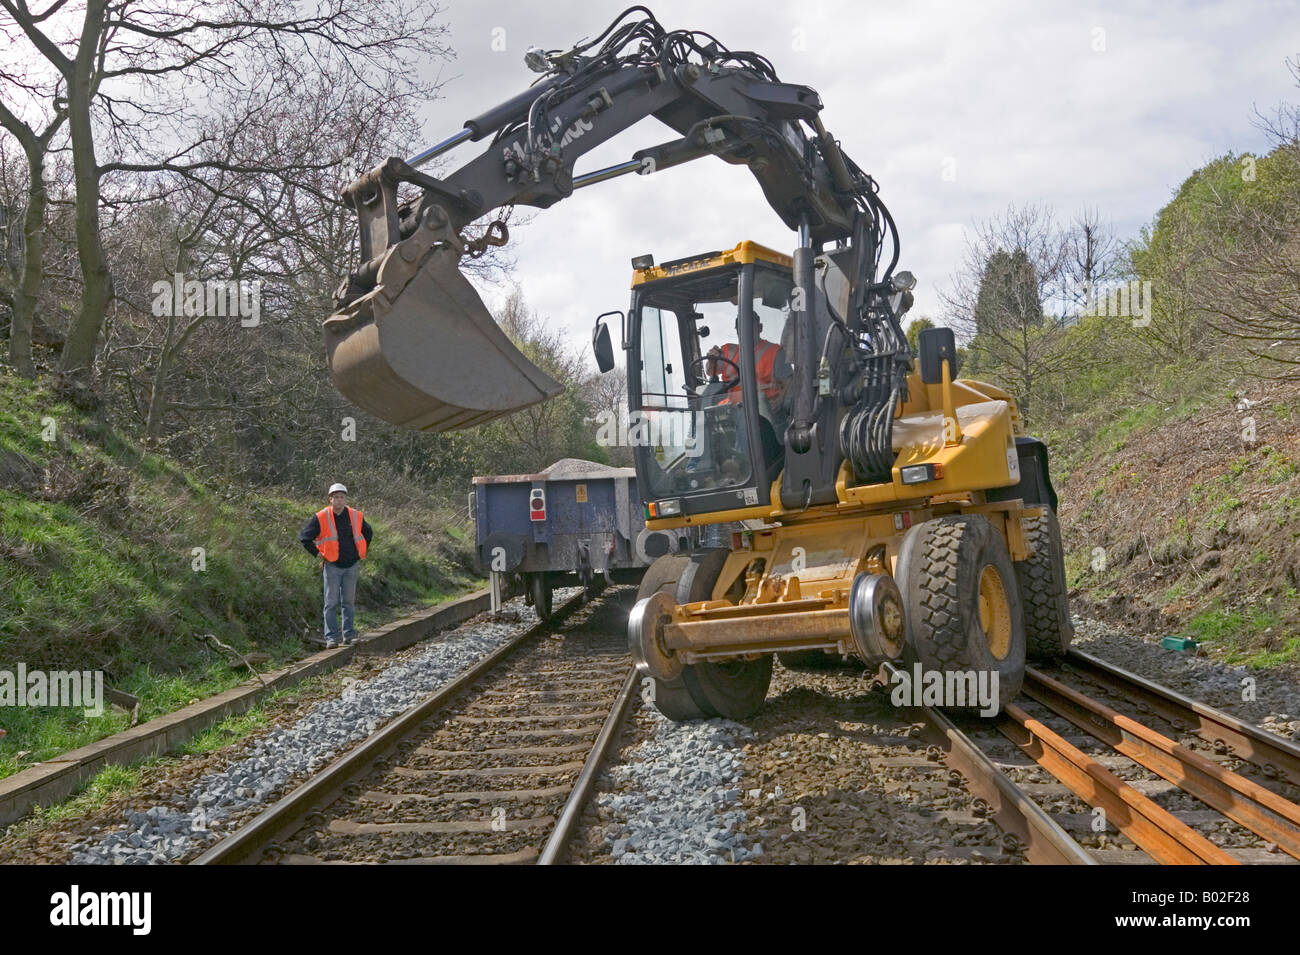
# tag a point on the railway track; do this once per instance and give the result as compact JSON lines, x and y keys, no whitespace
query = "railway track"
{"x":494,"y":768}
{"x":1141,"y":774}
{"x":1093,"y":764}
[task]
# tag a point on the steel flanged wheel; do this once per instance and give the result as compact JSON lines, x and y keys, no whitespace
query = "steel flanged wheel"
{"x":540,"y":590}
{"x":669,"y":696}
{"x":876,"y":619}
{"x":645,"y":632}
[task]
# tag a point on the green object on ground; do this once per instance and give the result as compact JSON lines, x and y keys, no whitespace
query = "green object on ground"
{"x":1178,"y":643}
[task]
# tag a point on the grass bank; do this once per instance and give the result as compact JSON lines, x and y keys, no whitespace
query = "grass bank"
{"x":115,"y":558}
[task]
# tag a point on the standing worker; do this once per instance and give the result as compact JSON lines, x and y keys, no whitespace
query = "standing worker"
{"x":338,"y":535}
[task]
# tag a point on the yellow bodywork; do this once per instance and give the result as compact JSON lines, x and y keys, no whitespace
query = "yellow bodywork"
{"x":983,"y":459}
{"x":743,"y":254}
{"x":786,"y":586}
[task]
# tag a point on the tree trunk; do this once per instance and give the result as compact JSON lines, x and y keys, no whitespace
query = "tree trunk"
{"x":158,"y":393}
{"x":20,"y":333}
{"x":79,"y":350}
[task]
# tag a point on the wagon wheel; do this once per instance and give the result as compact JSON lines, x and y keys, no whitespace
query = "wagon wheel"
{"x":540,"y":590}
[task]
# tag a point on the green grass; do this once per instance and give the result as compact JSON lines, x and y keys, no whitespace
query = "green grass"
{"x":46,"y":732}
{"x":1218,"y":516}
{"x":1264,"y":659}
{"x":101,"y":573}
{"x":229,"y":730}
{"x":110,"y":781}
{"x":1238,"y":631}
{"x":113,"y":781}
{"x":1114,"y":436}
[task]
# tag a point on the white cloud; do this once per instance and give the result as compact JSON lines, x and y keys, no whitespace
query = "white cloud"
{"x":1014,"y":93}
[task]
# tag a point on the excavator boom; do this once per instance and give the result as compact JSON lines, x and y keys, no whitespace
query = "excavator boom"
{"x":411,"y":341}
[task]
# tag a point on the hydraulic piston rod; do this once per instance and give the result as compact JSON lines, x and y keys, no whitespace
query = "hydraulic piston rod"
{"x":609,"y":172}
{"x":439,"y":148}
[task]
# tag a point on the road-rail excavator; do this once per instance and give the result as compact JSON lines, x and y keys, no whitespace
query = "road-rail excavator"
{"x":833,"y":493}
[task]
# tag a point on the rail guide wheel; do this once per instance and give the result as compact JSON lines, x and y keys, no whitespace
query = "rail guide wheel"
{"x":669,"y":696}
{"x":734,"y":689}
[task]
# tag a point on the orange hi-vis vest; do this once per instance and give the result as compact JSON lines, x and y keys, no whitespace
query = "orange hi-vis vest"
{"x":327,"y":541}
{"x":764,"y":368}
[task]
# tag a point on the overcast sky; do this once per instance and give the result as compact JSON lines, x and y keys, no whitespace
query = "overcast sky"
{"x":1058,"y":103}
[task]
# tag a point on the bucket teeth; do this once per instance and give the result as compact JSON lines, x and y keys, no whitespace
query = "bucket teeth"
{"x":421,"y":350}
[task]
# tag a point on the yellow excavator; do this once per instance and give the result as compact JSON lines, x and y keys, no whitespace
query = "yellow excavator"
{"x":832,"y":491}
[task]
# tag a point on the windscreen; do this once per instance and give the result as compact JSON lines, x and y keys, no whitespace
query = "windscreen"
{"x":693,"y":433}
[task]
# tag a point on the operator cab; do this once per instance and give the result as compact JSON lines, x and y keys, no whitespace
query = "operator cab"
{"x":709,"y":378}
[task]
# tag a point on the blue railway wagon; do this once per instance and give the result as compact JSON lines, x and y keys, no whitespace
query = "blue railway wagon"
{"x":565,"y":526}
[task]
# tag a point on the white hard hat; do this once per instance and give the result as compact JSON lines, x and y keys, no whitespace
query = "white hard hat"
{"x":338,"y":487}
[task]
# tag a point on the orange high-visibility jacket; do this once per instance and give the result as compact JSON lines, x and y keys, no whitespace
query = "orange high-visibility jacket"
{"x":765,"y":353}
{"x":327,"y":542}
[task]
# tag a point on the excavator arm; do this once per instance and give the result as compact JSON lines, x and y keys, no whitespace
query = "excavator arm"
{"x":412,"y":342}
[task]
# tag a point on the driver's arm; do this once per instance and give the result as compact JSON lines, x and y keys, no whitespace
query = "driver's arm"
{"x":712,"y":366}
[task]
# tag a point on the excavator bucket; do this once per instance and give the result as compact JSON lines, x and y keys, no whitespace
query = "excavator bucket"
{"x":421,"y":350}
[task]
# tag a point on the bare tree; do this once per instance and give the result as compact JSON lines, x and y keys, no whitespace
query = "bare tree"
{"x":1014,"y":266}
{"x":1091,"y":260}
{"x":607,"y":396}
{"x":552,"y":429}
{"x":1252,"y":263}
{"x":131,"y":72}
{"x":26,"y":257}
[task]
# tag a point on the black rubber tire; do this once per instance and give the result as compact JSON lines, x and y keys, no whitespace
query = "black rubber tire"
{"x":540,"y":588}
{"x":736,"y":689}
{"x":671,"y":697}
{"x":1043,"y":590}
{"x":940,"y":564}
{"x":662,"y":574}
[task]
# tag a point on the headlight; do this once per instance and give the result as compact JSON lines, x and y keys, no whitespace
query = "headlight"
{"x":920,"y":473}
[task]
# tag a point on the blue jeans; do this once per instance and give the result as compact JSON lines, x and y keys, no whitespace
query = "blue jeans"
{"x":340,"y":587}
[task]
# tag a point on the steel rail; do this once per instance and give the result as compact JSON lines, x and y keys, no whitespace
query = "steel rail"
{"x":285,"y":816}
{"x":577,"y":801}
{"x":1045,"y":842}
{"x":1277,"y":757}
{"x":1158,"y":832}
{"x":1245,"y":802}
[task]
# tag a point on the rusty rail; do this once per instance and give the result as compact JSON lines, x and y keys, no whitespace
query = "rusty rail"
{"x":286,"y":816}
{"x":1277,"y":757}
{"x":1247,"y":803}
{"x":1155,"y":830}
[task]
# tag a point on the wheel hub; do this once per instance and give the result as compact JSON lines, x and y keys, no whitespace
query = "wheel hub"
{"x":995,"y":612}
{"x":876,"y":618}
{"x":645,"y":627}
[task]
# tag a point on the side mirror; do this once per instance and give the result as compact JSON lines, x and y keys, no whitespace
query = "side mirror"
{"x":603,"y":347}
{"x":936,"y":344}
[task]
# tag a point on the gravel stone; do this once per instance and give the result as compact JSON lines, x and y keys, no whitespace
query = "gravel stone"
{"x":168,"y":833}
{"x":678,"y":799}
